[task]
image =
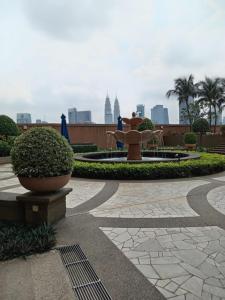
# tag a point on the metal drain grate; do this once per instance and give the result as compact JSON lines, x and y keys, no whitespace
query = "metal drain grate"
{"x":86,"y":284}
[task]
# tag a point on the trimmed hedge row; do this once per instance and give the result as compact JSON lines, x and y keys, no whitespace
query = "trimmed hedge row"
{"x":84,"y":148}
{"x":205,"y":165}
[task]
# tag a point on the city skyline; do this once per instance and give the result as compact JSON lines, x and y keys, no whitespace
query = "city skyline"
{"x":63,"y":62}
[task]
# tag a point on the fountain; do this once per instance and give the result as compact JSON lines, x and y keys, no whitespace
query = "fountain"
{"x":134,"y":138}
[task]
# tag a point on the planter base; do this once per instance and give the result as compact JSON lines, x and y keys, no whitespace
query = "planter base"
{"x":44,"y":208}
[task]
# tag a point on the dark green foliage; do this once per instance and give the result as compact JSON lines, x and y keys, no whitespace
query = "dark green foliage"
{"x":222,"y":129}
{"x":201,"y":125}
{"x":21,"y":240}
{"x":190,"y":138}
{"x":8,"y":127}
{"x":146,"y":125}
{"x":4,"y":149}
{"x":41,"y":152}
{"x":207,"y":164}
{"x":84,"y":148}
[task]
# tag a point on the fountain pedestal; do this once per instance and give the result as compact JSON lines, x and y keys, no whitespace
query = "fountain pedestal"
{"x":134,"y":138}
{"x":134,"y":152}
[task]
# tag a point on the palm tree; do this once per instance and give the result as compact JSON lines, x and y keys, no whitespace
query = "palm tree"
{"x":211,"y":94}
{"x":184,"y":88}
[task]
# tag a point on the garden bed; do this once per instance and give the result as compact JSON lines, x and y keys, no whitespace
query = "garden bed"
{"x":17,"y":239}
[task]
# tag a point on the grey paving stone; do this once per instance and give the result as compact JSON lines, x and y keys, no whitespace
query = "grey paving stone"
{"x":169,"y":271}
{"x":192,"y":257}
{"x":216,"y":291}
{"x":193,"y":285}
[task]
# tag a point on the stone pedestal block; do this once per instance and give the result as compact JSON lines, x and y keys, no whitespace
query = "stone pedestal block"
{"x":44,"y":208}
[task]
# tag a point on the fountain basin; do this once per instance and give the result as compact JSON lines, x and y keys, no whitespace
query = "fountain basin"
{"x":147,"y":157}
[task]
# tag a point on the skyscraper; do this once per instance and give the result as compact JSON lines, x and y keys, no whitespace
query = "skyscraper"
{"x":116,"y":111}
{"x":141,"y":110}
{"x":23,"y":118}
{"x":76,"y":116}
{"x":182,"y":110}
{"x":159,"y":115}
{"x":108,"y":111}
{"x":84,"y":116}
{"x":72,"y":115}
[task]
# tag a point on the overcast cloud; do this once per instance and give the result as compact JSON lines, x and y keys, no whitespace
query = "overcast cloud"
{"x":57,"y":54}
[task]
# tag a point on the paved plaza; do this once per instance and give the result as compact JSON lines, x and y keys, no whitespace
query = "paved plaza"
{"x":162,"y":239}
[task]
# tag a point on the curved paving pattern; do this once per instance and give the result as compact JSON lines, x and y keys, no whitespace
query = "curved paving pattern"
{"x":164,"y":236}
{"x":216,"y":199}
{"x":150,"y":200}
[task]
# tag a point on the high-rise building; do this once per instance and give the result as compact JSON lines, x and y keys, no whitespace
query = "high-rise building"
{"x":76,"y":116}
{"x":38,"y":121}
{"x":72,"y":115}
{"x":108,"y":111}
{"x":218,"y":118}
{"x":141,"y":110}
{"x":23,"y":118}
{"x":116,"y":112}
{"x":84,"y":116}
{"x":183,"y":119}
{"x":159,"y":115}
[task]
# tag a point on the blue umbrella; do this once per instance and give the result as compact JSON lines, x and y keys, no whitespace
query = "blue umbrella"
{"x":119,"y":127}
{"x":64,"y":130}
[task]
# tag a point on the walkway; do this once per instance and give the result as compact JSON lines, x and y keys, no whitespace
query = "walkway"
{"x":148,"y":240}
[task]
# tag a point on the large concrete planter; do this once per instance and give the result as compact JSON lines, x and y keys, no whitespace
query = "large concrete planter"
{"x":44,"y":185}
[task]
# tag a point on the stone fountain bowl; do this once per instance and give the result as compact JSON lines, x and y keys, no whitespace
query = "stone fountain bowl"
{"x":147,"y":157}
{"x":132,"y":136}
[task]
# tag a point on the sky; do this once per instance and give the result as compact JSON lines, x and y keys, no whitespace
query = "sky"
{"x":57,"y":54}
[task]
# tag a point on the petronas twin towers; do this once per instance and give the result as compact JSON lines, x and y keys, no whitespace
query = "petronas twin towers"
{"x":109,"y":117}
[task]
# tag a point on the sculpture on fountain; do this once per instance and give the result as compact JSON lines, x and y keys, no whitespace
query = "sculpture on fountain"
{"x":134,"y":138}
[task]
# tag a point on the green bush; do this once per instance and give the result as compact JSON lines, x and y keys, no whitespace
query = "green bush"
{"x":41,"y":152}
{"x":190,"y":138}
{"x":21,"y":240}
{"x":84,"y":148}
{"x":201,"y":125}
{"x":4,"y":149}
{"x":8,"y":127}
{"x":146,"y":125}
{"x":205,"y":165}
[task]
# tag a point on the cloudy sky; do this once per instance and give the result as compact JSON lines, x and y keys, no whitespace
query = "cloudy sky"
{"x":56,"y":54}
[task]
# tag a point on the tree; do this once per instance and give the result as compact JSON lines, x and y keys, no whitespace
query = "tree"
{"x":211,"y":95}
{"x":146,"y":125}
{"x":184,"y":88}
{"x":8,"y":127}
{"x":196,"y":111}
{"x":201,"y":126}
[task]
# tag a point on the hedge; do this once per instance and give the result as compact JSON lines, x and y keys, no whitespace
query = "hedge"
{"x":84,"y":148}
{"x":205,"y":165}
{"x":4,"y":149}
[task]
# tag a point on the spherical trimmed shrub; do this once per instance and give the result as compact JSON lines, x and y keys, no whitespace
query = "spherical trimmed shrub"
{"x":4,"y":149}
{"x":8,"y":127}
{"x":146,"y":125}
{"x":200,"y":125}
{"x":190,"y":138}
{"x":41,"y":152}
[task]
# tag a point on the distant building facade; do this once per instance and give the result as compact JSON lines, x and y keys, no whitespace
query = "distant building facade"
{"x":23,"y":118}
{"x":159,"y":114}
{"x":116,"y":111}
{"x":108,"y":111}
{"x":75,"y":116}
{"x":140,"y":110}
{"x":183,"y":120}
